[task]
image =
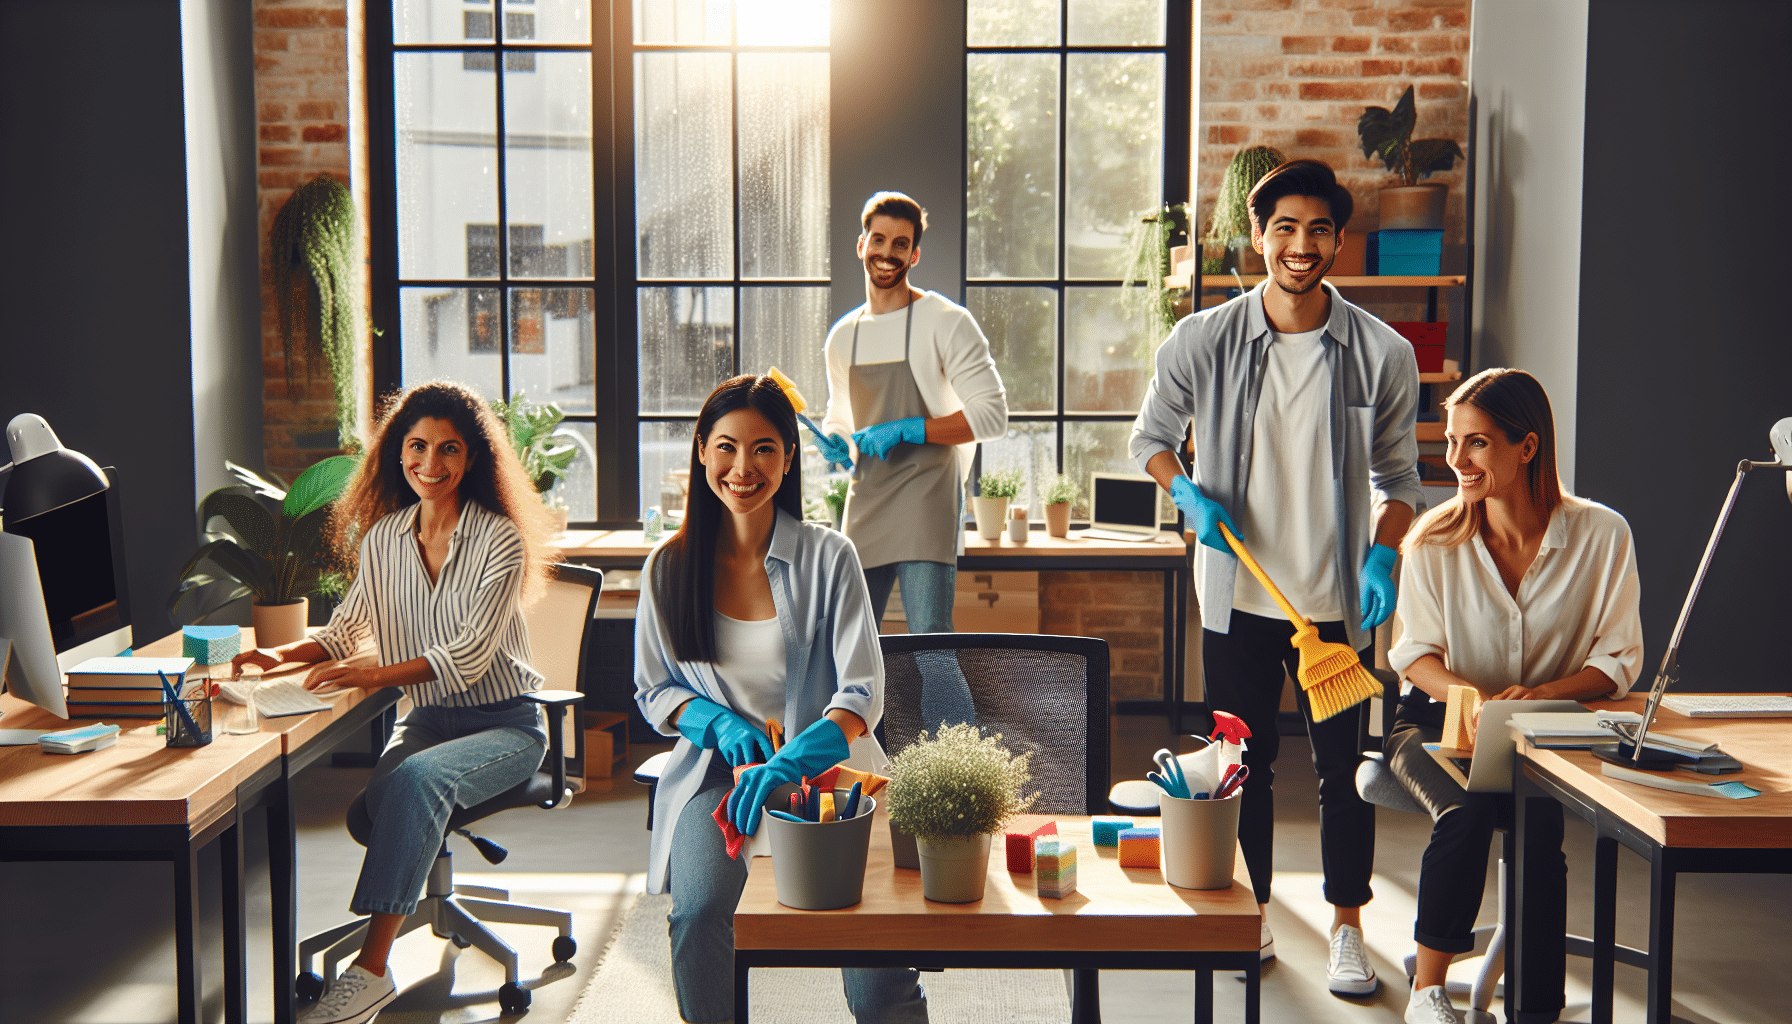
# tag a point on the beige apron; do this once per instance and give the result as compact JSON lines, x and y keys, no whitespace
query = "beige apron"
{"x":903,"y":508}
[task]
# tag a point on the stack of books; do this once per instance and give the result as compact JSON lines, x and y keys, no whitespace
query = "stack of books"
{"x":123,"y":687}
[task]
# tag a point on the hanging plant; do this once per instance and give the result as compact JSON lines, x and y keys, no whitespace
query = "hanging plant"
{"x":1231,"y":213}
{"x":313,"y":242}
{"x":1147,"y":262}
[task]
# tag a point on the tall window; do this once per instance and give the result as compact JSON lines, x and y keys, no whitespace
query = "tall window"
{"x":730,"y":208}
{"x":1069,"y":105}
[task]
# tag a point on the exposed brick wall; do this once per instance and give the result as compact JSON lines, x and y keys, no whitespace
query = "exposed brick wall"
{"x":1124,"y":608}
{"x":307,"y":91}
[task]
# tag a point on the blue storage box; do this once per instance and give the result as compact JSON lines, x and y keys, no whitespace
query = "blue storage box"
{"x":1391,"y":253}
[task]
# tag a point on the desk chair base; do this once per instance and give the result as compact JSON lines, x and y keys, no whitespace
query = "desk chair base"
{"x":453,"y":912}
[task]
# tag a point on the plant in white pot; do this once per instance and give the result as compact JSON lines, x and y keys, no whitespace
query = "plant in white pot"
{"x":991,"y":506}
{"x":1387,"y":135}
{"x":953,"y":792}
{"x":1059,"y":494}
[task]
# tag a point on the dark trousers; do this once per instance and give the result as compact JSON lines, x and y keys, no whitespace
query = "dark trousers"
{"x":1242,"y":671}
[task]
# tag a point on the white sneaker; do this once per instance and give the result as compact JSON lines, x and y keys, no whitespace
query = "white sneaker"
{"x":1268,"y":943}
{"x":1430,"y":1006}
{"x":1347,"y":969}
{"x":353,"y":998}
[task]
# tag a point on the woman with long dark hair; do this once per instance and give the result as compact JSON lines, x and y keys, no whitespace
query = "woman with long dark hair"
{"x":452,"y":543}
{"x":1525,"y":593}
{"x":749,"y":613}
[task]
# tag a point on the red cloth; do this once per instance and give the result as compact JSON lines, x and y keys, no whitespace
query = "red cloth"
{"x":731,"y":836}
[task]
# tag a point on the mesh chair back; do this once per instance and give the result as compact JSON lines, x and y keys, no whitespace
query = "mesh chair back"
{"x":1045,"y":694}
{"x":558,"y":623}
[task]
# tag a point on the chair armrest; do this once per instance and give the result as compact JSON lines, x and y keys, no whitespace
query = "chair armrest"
{"x":555,"y":698}
{"x":556,"y":701}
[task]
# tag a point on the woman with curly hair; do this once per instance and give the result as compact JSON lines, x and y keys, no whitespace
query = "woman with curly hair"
{"x":451,"y":544}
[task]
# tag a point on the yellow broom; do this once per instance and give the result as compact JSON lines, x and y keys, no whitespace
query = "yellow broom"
{"x":1332,"y":674}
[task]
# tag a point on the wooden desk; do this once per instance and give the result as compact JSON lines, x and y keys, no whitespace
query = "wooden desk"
{"x":1675,"y":832}
{"x":1119,"y":918}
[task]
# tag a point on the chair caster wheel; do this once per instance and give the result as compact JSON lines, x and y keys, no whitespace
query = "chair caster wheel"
{"x":564,"y":948}
{"x":308,"y":987}
{"x":513,"y":998}
{"x":459,"y":942}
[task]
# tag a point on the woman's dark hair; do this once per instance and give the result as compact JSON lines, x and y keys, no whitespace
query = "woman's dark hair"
{"x":494,"y":478}
{"x":684,"y":578}
{"x":1299,"y":178}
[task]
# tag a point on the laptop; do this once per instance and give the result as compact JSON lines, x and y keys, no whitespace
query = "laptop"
{"x":1488,"y":768}
{"x":1123,"y":506}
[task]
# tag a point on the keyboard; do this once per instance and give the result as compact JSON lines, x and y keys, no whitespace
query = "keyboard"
{"x":1730,"y":705}
{"x":277,"y":699}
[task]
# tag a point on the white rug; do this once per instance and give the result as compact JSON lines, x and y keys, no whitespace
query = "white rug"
{"x":633,"y":985}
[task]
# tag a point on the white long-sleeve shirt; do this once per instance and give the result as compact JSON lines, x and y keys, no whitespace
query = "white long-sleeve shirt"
{"x":948,"y":355}
{"x":1577,"y":606}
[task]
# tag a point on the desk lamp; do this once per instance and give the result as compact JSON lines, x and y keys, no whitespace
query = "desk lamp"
{"x":1669,"y":672}
{"x":44,"y":475}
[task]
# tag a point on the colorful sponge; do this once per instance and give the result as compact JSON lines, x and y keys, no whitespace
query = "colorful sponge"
{"x":1055,"y":866}
{"x":1138,"y":847}
{"x":211,"y":645}
{"x":1020,"y":835}
{"x":1107,"y":830}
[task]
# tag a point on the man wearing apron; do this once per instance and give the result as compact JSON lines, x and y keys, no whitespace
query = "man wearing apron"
{"x":911,"y":381}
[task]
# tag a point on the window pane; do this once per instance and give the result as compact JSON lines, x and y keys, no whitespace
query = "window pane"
{"x":1101,"y":448}
{"x":442,"y":21}
{"x":553,"y":346}
{"x":1116,"y":22}
{"x":684,"y":215}
{"x":453,"y":334}
{"x":782,"y":22}
{"x":578,"y":491}
{"x":1031,"y":448}
{"x":785,"y":327}
{"x":1022,"y":327}
{"x":547,"y":170}
{"x":1107,"y":352}
{"x":561,"y":21}
{"x":447,"y":167}
{"x":666,"y":464}
{"x":1011,"y":23}
{"x":1113,"y":157}
{"x":1011,"y":199}
{"x":687,"y":346}
{"x":784,"y":165}
{"x":681,"y":21}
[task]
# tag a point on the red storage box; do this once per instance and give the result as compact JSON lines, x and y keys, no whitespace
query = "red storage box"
{"x":1427,"y":343}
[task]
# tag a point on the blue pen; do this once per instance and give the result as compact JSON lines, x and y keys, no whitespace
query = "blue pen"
{"x":785,"y":815}
{"x":852,"y":800}
{"x":174,"y":698}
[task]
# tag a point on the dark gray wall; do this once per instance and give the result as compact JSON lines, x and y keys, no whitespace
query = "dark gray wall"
{"x":1683,"y":337}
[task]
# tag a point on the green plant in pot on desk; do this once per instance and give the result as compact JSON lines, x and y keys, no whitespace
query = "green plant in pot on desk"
{"x":952,"y":792}
{"x":991,"y":505}
{"x":1387,"y":135}
{"x":1059,"y":494}
{"x":541,"y":445}
{"x":274,"y":551}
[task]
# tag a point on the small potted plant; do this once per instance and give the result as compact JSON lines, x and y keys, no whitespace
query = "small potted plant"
{"x":1387,"y":135}
{"x":533,"y":431}
{"x":1231,"y":224}
{"x":1058,"y":496}
{"x":991,"y":506}
{"x":953,"y":792}
{"x":836,"y":499}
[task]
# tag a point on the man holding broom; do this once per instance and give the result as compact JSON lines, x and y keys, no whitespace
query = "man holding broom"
{"x":1302,"y":407}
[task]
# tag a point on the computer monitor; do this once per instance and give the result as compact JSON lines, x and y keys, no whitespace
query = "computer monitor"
{"x":31,"y":671}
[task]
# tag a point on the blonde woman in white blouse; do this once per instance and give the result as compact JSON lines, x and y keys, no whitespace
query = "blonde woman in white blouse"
{"x":1525,"y":593}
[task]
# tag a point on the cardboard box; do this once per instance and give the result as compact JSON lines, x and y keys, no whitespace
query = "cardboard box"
{"x":606,"y":743}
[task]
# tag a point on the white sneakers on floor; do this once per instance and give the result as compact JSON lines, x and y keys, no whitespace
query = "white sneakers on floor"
{"x":1268,"y":950}
{"x":1431,"y":1006}
{"x":353,"y":998}
{"x":1347,"y":969}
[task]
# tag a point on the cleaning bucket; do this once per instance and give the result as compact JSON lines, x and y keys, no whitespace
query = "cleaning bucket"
{"x":820,"y":865}
{"x":1199,"y":840}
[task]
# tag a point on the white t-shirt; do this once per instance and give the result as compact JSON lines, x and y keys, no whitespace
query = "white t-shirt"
{"x":1290,"y":519}
{"x":750,"y":666}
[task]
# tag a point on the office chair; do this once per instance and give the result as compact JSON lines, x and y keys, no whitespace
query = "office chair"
{"x":558,"y":626}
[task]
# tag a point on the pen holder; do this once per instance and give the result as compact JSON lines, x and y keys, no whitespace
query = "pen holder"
{"x":184,"y":733}
{"x":1017,"y":525}
{"x":820,"y":865}
{"x":1199,"y":841}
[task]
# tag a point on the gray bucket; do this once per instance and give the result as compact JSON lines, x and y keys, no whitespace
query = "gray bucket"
{"x":820,"y":865}
{"x":1199,"y":840}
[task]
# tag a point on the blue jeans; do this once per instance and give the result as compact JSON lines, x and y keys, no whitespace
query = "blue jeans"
{"x":439,"y":758}
{"x":706,"y":885}
{"x":928,"y":590}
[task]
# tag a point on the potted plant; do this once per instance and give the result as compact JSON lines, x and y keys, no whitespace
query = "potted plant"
{"x":991,"y":506}
{"x":316,"y":278}
{"x":1387,"y":135}
{"x":1058,"y":496}
{"x":533,"y":429}
{"x":952,"y":792}
{"x":1148,"y":260}
{"x":1231,"y":224}
{"x":836,"y":499}
{"x":277,"y":555}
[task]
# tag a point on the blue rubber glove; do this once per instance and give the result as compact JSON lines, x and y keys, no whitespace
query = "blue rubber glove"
{"x":1204,"y":514}
{"x":1375,"y":586}
{"x":813,"y":751}
{"x":834,"y":449}
{"x":710,"y":725}
{"x":877,"y":440}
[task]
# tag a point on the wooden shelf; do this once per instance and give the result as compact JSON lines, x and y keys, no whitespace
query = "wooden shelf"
{"x":1446,"y":377}
{"x":1428,"y":431}
{"x":1219,"y":281}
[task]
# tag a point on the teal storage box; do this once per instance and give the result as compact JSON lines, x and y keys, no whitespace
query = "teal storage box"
{"x":1391,"y":253}
{"x":211,"y":645}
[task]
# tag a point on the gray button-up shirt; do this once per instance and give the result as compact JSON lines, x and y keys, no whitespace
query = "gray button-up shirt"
{"x":1210,"y":374}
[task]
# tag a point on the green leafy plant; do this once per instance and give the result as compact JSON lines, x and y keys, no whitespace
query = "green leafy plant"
{"x":275,"y":550}
{"x":1231,"y":212}
{"x":1146,"y":259}
{"x":312,"y":243}
{"x":532,"y":429}
{"x":1387,"y":134}
{"x":957,"y":783}
{"x":1061,"y":491}
{"x":1002,"y":483}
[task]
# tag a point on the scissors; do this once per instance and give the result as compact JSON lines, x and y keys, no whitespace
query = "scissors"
{"x":1235,"y":777}
{"x":1171,"y":781}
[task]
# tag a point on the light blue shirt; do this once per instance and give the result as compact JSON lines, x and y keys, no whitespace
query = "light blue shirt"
{"x":1209,"y":376}
{"x":831,"y":660}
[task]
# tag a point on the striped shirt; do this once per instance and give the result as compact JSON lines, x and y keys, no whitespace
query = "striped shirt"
{"x":468,"y":624}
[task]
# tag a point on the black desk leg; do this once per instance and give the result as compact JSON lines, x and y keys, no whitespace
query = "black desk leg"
{"x":1661,"y":938}
{"x":283,"y":892}
{"x":1538,"y":931}
{"x":1085,"y":996}
{"x":1605,"y":924}
{"x":1203,"y":996}
{"x":236,"y":923}
{"x":740,"y":991}
{"x":1253,"y":994}
{"x":186,"y":933}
